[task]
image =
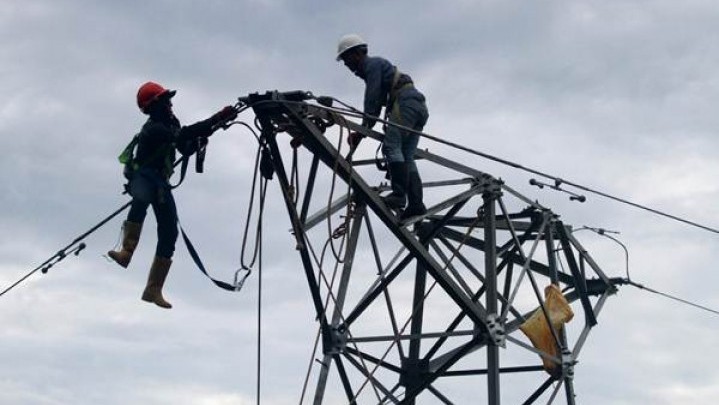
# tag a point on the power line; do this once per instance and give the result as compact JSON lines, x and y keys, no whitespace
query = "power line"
{"x":672,"y":297}
{"x":557,"y":180}
{"x":71,"y":248}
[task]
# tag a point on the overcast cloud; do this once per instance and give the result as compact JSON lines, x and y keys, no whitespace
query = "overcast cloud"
{"x":619,"y":96}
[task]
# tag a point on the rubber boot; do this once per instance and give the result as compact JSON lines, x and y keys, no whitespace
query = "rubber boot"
{"x":155,"y":281}
{"x":415,"y":206}
{"x":130,"y":237}
{"x":397,"y":199}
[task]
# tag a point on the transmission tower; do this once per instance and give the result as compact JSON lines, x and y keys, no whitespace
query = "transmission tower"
{"x":415,"y":311}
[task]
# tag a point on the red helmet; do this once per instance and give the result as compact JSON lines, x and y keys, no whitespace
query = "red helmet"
{"x":149,"y":93}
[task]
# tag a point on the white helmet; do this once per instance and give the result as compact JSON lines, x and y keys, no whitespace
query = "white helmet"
{"x":348,"y":42}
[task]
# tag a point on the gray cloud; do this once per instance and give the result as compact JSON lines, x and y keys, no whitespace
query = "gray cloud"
{"x":618,"y":96}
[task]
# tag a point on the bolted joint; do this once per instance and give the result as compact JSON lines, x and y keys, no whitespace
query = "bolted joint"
{"x":496,"y":332}
{"x":335,"y":341}
{"x":568,"y":363}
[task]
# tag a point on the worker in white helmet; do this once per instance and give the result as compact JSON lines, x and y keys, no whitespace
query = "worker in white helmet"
{"x":404,"y":105}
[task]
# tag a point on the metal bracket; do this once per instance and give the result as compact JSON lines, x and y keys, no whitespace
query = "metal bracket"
{"x":338,"y":341}
{"x":568,"y":363}
{"x":495,"y":330}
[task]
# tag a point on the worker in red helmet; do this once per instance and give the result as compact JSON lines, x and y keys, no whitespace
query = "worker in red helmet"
{"x":386,"y":86}
{"x":159,"y":139}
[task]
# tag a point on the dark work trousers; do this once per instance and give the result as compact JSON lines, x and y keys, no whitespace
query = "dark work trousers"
{"x":409,"y":111}
{"x":149,"y":187}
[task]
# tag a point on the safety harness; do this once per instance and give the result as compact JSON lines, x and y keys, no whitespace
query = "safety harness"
{"x":131,"y":164}
{"x":400,"y":81}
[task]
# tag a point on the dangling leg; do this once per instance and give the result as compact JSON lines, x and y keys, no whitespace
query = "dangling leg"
{"x":166,"y":215}
{"x":141,"y":191}
{"x":156,"y":280}
{"x":130,"y":238}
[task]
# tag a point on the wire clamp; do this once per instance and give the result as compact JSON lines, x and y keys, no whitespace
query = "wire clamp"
{"x":557,"y":186}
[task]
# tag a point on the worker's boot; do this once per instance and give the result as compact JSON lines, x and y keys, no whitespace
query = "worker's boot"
{"x":415,"y":206}
{"x":130,"y":238}
{"x":398,"y":179}
{"x":155,"y":281}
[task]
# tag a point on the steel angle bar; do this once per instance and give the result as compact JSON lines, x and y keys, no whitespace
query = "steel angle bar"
{"x":501,"y":224}
{"x":441,"y":365}
{"x":508,"y":277}
{"x":450,"y":328}
{"x":581,"y":284}
{"x":322,"y":214}
{"x":539,"y":391}
{"x":533,"y":349}
{"x":411,"y":362}
{"x":380,"y":272}
{"x":376,"y":385}
{"x":587,"y":257}
{"x":314,"y":141}
{"x":349,"y":392}
{"x":503,"y":370}
{"x":374,"y":360}
{"x":424,"y":335}
{"x":439,"y":395}
{"x":309,"y":189}
{"x":503,"y":298}
{"x":385,"y":280}
{"x":472,"y":269}
{"x":579,"y":344}
{"x":341,"y":294}
{"x":299,"y":235}
{"x":520,"y":196}
{"x":513,"y":245}
{"x":555,"y":391}
{"x":512,"y":231}
{"x":490,"y":268}
{"x":448,"y":264}
{"x":558,"y":336}
{"x":535,"y":266}
{"x":476,"y":313}
{"x":480,"y":277}
{"x":340,"y":120}
{"x":371,"y":295}
{"x":458,"y":167}
{"x":525,"y":266}
{"x":462,"y":197}
{"x":445,"y":183}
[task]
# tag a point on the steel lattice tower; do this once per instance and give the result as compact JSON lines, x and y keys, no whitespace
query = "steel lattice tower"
{"x":415,"y":306}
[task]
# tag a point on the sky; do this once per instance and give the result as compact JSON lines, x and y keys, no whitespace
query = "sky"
{"x":618,"y":96}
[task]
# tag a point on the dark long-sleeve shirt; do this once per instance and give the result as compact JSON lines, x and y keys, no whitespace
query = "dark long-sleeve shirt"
{"x":378,"y":74}
{"x":159,"y":138}
{"x":379,"y":77}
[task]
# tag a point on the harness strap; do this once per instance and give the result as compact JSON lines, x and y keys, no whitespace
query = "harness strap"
{"x":185,"y":161}
{"x":198,"y":262}
{"x":400,"y":81}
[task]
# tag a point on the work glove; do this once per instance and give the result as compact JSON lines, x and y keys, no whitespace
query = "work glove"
{"x":354,"y":138}
{"x":226,"y":114}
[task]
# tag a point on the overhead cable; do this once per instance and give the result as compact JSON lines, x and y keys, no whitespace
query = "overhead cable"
{"x":557,"y":180}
